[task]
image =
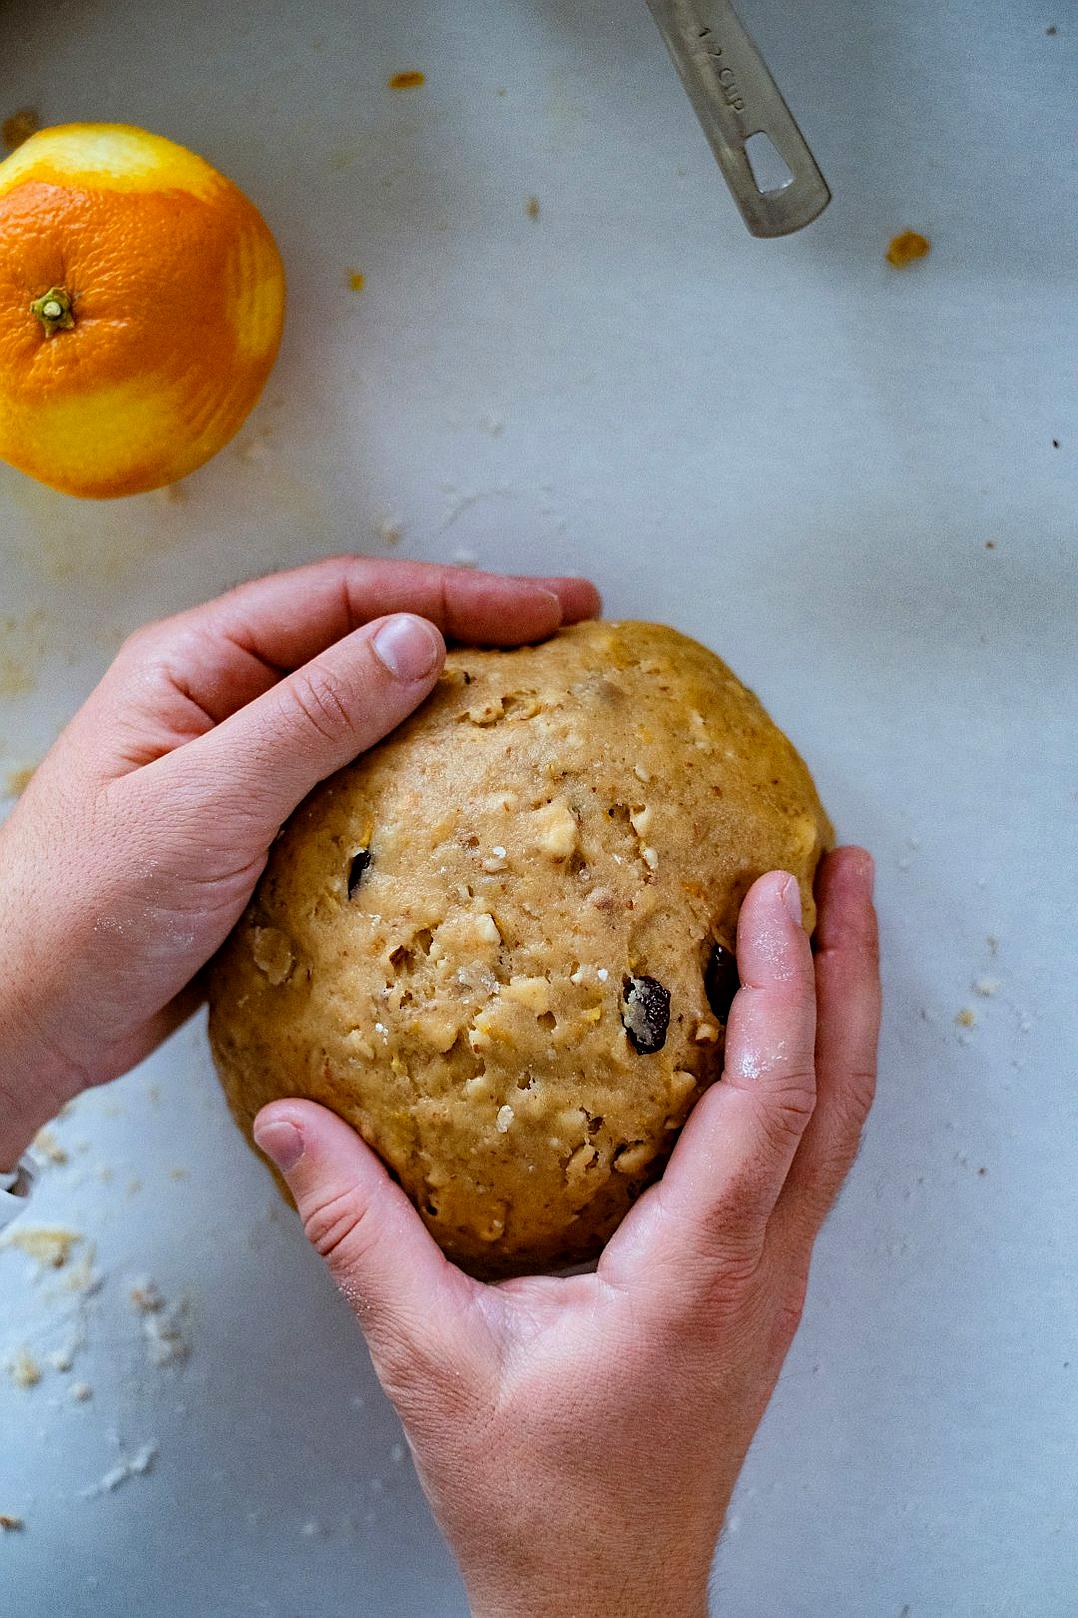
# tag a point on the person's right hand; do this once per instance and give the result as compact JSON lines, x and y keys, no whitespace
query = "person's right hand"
{"x":579,"y":1438}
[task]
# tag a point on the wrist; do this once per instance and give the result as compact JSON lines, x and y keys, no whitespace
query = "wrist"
{"x":34,"y":1083}
{"x":574,"y":1593}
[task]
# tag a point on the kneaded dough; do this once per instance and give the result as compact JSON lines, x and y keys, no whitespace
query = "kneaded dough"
{"x":501,"y":944}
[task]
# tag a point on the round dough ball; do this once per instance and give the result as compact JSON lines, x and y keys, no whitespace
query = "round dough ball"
{"x":501,"y":944}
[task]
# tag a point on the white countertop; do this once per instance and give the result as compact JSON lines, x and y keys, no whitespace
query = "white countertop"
{"x":787,"y":449}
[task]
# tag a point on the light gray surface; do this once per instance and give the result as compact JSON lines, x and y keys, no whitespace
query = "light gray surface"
{"x":787,"y":449}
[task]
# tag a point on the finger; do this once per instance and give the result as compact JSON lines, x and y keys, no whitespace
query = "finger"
{"x":847,"y":1034}
{"x":409,"y":1299}
{"x":252,"y":770}
{"x":734,"y":1154}
{"x":228,"y":651}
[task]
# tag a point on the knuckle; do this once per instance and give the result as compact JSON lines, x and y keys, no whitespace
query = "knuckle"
{"x":321,"y":698}
{"x":786,"y":1107}
{"x":861,"y":1086}
{"x":330,"y":1223}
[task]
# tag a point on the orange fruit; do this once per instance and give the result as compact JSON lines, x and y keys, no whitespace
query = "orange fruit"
{"x":141,"y":305}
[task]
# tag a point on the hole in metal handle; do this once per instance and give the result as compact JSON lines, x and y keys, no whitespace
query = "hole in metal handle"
{"x":770,"y":170}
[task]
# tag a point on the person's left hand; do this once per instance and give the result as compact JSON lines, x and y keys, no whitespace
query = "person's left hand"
{"x":140,"y":838}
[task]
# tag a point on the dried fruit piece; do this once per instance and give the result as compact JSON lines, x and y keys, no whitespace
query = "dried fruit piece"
{"x":646,"y":1015}
{"x":721,"y":981}
{"x":361,"y":859}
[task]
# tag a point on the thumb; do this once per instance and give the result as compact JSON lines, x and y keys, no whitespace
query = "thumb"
{"x":409,"y":1299}
{"x":256,"y":766}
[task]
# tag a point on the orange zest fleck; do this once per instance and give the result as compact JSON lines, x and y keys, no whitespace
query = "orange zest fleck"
{"x":357,"y":280}
{"x":408,"y":81}
{"x":907,"y":248}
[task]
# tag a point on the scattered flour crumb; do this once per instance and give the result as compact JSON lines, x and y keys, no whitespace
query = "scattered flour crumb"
{"x":389,"y":530}
{"x":80,"y":1392}
{"x":62,"y":1359}
{"x":602,"y":974}
{"x":23,"y":1369}
{"x":133,"y":1466}
{"x":396,"y":1454}
{"x":145,"y":1297}
{"x":311,"y":1529}
{"x":166,"y":1343}
{"x":504,"y":1119}
{"x":48,"y":1245}
{"x":46,"y":1147}
{"x":10,"y":1524}
{"x":966,"y":1018}
{"x":987,"y":987}
{"x":83,"y":1277}
{"x":463,"y":557}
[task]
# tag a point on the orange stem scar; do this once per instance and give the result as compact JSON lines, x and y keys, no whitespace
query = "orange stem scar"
{"x":53,"y":309}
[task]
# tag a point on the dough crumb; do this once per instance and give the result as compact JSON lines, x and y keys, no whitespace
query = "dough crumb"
{"x":146,"y":1298}
{"x":166,"y":1343}
{"x":47,"y":1147}
{"x":19,"y":780}
{"x":23,"y":1369}
{"x":966,"y":1018}
{"x":411,"y":79}
{"x":504,"y":1119}
{"x":83,"y":1277}
{"x":533,"y":208}
{"x":10,"y":1524}
{"x":48,"y":1245}
{"x":987,"y":987}
{"x":79,"y":1392}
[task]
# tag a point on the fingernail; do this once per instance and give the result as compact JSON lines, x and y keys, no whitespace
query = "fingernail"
{"x":553,"y":601}
{"x":408,"y":647}
{"x":281,"y":1141}
{"x":791,"y":898}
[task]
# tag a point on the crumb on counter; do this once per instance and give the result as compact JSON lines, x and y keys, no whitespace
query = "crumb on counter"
{"x":906,"y":248}
{"x":135,"y":1466}
{"x":46,"y":1147}
{"x":48,"y":1245}
{"x":410,"y":80}
{"x":533,"y":208}
{"x":18,"y":781}
{"x":23,"y":1369}
{"x":10,"y":1524}
{"x":356,"y":280}
{"x":20,"y":126}
{"x":966,"y":1018}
